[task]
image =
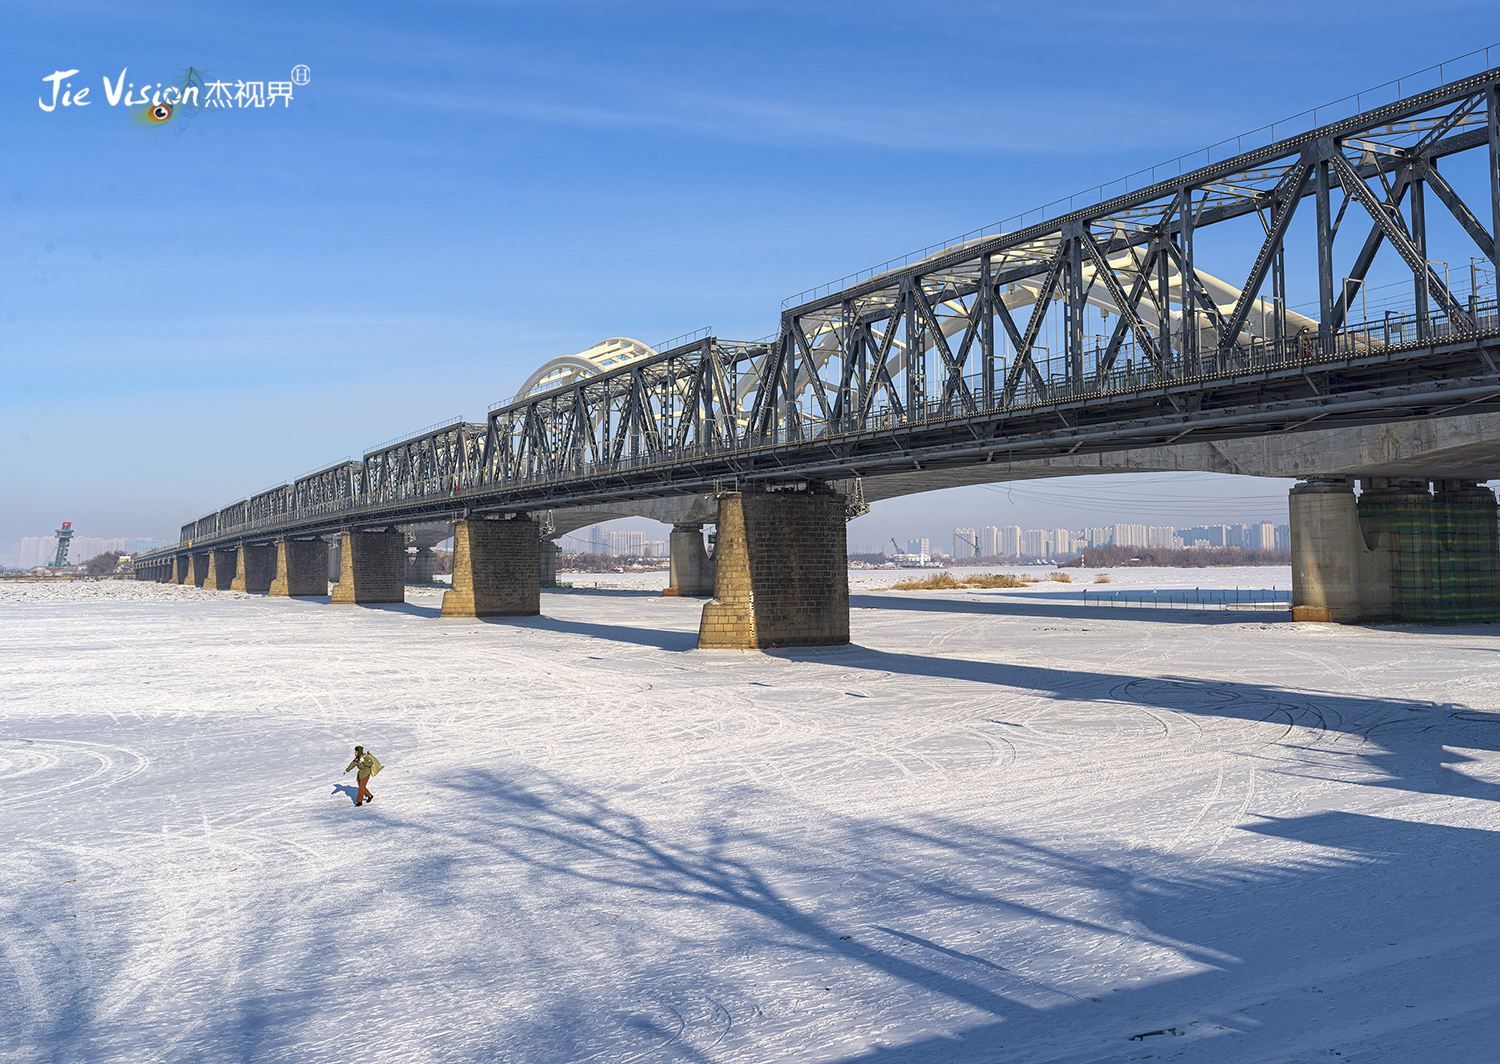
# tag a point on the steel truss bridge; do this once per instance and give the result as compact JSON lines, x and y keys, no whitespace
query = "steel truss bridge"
{"x":940,"y":363}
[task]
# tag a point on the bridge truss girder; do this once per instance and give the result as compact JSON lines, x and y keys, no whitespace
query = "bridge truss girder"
{"x":938,"y":363}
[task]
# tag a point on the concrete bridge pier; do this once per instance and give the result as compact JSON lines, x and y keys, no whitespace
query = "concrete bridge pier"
{"x":372,"y":568}
{"x":549,"y":550}
{"x":301,"y":568}
{"x":255,"y":569}
{"x":179,"y":569}
{"x":422,"y":566}
{"x":781,"y":572}
{"x":691,"y":571}
{"x":1399,"y":553}
{"x":496,"y":569}
{"x":1466,"y":545}
{"x":220,"y":572}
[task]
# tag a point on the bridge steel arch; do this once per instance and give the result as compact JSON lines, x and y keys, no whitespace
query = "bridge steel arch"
{"x":932,"y":367}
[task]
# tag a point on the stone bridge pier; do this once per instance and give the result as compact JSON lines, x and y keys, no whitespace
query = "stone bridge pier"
{"x":496,"y":569}
{"x":372,"y":568}
{"x":1399,"y":551}
{"x":781,"y":571}
{"x":301,"y":568}
{"x":222,"y":566}
{"x":255,"y":568}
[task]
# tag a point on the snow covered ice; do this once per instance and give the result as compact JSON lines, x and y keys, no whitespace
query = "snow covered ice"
{"x":1000,"y":826}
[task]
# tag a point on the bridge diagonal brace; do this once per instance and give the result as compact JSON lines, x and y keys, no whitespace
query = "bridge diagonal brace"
{"x":772,"y":374}
{"x":692,"y":404}
{"x":1251,"y":291}
{"x":1190,"y":284}
{"x":955,"y":381}
{"x":880,"y":376}
{"x":1126,"y":305}
{"x":851,"y":346}
{"x":648,"y":419}
{"x":974,"y":316}
{"x":1398,"y":238}
{"x":1376,"y":237}
{"x":811,"y":369}
{"x":1024,"y":360}
{"x":1457,"y":207}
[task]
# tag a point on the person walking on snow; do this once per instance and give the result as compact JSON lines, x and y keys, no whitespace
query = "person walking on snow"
{"x":368,"y":765}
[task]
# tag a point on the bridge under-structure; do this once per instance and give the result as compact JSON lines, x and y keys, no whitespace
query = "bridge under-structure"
{"x":934,"y":372}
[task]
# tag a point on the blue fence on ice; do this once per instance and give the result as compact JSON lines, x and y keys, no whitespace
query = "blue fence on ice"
{"x":1238,"y":598}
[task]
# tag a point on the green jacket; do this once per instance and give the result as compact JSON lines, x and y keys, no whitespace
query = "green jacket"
{"x":367,"y":764}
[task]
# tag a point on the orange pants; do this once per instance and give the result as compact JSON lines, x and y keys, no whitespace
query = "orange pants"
{"x":364,"y":789}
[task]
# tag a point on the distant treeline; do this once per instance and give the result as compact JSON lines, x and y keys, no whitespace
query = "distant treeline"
{"x":1168,"y":558}
{"x":592,"y":563}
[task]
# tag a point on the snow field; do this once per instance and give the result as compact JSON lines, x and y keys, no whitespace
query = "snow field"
{"x":593,"y":842}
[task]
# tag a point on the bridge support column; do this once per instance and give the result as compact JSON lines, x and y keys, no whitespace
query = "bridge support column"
{"x":1467,"y":552}
{"x":1326,"y":551}
{"x":220,"y":571}
{"x":179,"y":569}
{"x":1395,"y":521}
{"x":255,"y":570}
{"x":301,"y":568}
{"x":420,"y":569}
{"x":496,"y":569}
{"x":197,"y":569}
{"x":372,"y":568}
{"x":781,"y":575}
{"x":691,"y":573}
{"x":549,"y":550}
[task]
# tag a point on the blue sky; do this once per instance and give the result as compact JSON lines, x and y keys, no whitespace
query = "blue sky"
{"x":462,"y":191}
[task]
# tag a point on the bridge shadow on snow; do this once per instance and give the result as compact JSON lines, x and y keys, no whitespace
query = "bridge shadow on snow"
{"x":1019,"y":937}
{"x":662,"y":639}
{"x":1057,"y":610}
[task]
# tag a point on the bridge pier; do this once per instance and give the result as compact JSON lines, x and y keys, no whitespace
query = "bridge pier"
{"x":301,"y":568}
{"x":691,"y":571}
{"x":255,"y":570}
{"x":549,"y":550}
{"x":422,"y":566}
{"x":197,"y":571}
{"x":220,"y":572}
{"x":781,"y":572}
{"x":496,"y":569}
{"x":372,"y":568}
{"x":179,"y":569}
{"x":1399,"y":553}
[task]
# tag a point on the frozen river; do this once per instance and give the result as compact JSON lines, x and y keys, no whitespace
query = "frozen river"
{"x":1000,"y":826}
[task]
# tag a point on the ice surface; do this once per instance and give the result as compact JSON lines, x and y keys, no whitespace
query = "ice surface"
{"x":1001,"y":826}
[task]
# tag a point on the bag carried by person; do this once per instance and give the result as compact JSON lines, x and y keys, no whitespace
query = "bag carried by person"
{"x":375,"y":765}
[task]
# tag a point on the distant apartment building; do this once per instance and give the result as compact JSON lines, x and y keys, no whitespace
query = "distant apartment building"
{"x":919,"y":546}
{"x":627,"y":544}
{"x":1035,"y":543}
{"x":1010,"y":541}
{"x":989,"y":541}
{"x":1160,"y":536}
{"x":1129,"y":536}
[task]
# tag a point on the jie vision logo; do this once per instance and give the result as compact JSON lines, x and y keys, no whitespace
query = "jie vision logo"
{"x":161,"y":102}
